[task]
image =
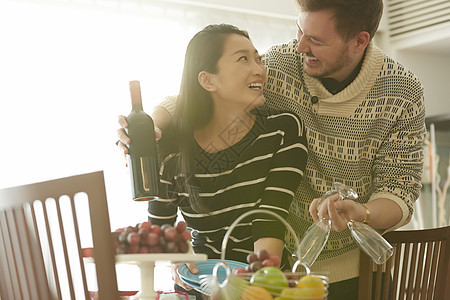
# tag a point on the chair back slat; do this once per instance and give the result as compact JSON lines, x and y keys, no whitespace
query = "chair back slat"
{"x":396,"y":269}
{"x":78,"y":243}
{"x":12,"y":256}
{"x":62,"y":238}
{"x":9,"y":259}
{"x":386,"y":281}
{"x":378,"y":282}
{"x":6,"y":291}
{"x":427,"y":278}
{"x":444,"y":253}
{"x":412,"y":271}
{"x":404,"y":270}
{"x":418,"y":272}
{"x":36,"y":253}
{"x":17,"y":256}
{"x":365,"y":283}
{"x":419,"y":268}
{"x":53,"y":272}
{"x":43,"y":228}
{"x":30,"y":288}
{"x":432,"y":276}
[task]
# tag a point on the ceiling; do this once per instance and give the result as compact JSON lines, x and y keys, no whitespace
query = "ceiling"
{"x":283,"y":8}
{"x":436,"y":41}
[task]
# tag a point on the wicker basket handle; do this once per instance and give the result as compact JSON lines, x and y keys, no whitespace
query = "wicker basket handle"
{"x":230,"y":230}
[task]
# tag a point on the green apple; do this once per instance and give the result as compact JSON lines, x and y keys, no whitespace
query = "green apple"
{"x":270,"y":278}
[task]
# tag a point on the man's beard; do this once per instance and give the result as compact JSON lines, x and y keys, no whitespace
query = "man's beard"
{"x":342,"y":59}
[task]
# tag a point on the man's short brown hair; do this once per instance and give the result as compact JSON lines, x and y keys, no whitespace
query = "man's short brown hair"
{"x":352,"y":16}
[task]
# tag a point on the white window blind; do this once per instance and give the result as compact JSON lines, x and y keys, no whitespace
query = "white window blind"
{"x":407,"y":18}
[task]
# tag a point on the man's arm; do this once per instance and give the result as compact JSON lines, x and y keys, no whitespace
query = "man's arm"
{"x":161,"y":118}
{"x":397,"y":169}
{"x":162,"y":114}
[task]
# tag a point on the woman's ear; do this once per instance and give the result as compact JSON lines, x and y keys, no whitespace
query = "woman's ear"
{"x":206,"y":81}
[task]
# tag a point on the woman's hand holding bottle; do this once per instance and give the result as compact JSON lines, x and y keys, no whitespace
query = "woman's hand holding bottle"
{"x":123,"y":141}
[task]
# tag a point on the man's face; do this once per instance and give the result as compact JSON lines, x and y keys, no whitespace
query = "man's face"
{"x":326,"y":53}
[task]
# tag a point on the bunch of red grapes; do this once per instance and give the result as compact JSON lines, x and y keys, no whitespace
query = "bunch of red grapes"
{"x":146,"y":237}
{"x":257,"y":261}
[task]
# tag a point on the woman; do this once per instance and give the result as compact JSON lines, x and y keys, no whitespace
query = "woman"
{"x":224,"y":156}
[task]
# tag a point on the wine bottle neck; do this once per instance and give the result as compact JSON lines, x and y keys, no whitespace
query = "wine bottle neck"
{"x":136,"y":106}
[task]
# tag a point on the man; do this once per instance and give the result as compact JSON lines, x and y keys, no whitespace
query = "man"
{"x":364,"y":114}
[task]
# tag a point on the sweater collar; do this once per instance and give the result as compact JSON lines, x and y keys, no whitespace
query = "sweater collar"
{"x":370,"y":68}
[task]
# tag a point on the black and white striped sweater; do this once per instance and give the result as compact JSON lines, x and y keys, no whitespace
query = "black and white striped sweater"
{"x":262,"y":170}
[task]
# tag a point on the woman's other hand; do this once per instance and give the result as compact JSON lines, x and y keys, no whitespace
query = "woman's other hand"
{"x":176,"y":278}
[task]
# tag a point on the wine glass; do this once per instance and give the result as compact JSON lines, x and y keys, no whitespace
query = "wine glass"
{"x":367,"y":238}
{"x":315,"y":238}
{"x":314,"y":241}
{"x":370,"y":241}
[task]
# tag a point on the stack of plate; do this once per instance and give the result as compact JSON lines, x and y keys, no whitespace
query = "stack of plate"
{"x":206,"y":268}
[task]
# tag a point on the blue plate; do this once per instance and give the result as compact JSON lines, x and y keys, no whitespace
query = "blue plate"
{"x":206,"y":268}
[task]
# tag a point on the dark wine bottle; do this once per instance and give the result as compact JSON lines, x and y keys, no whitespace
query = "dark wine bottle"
{"x":143,"y":156}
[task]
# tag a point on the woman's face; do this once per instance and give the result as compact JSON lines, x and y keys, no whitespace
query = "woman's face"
{"x":241,"y":74}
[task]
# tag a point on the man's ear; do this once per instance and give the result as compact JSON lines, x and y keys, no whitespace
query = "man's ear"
{"x":206,"y":81}
{"x":362,"y":39}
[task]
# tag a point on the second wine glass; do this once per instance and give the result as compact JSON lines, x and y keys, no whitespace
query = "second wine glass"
{"x":313,"y":241}
{"x":371,"y":242}
{"x":315,"y":238}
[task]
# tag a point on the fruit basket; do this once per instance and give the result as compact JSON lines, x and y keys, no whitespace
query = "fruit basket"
{"x":267,"y":282}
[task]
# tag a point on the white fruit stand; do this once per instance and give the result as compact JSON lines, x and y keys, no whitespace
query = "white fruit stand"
{"x":146,"y":264}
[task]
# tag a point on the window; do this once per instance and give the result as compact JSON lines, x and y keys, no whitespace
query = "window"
{"x":64,"y":72}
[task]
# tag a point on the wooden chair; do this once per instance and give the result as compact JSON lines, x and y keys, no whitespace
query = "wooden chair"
{"x":420,"y":267}
{"x":43,"y":228}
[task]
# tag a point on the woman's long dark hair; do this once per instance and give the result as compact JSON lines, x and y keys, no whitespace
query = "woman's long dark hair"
{"x":194,"y":104}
